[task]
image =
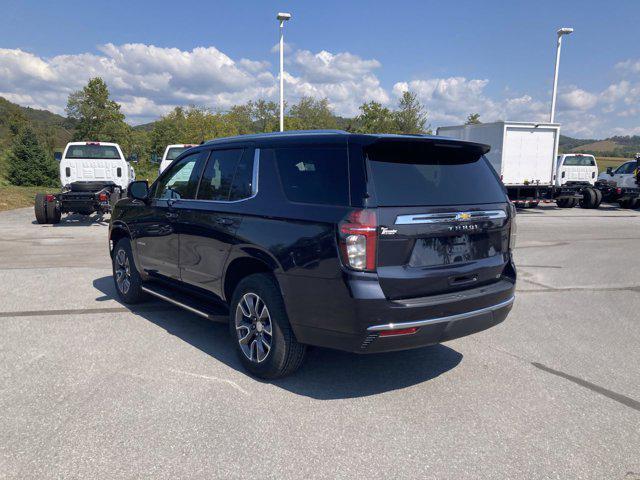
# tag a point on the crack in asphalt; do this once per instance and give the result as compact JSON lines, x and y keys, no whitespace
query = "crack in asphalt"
{"x":618,"y":397}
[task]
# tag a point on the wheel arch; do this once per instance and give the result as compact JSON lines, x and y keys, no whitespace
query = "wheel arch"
{"x":247,"y":262}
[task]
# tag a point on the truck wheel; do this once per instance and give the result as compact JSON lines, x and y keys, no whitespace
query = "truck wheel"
{"x":260,"y":328}
{"x":635,"y":203}
{"x":566,"y":202}
{"x":588,"y":199}
{"x":40,"y":208}
{"x":624,"y":203}
{"x":598,"y":198}
{"x":53,"y":212}
{"x":125,"y":275}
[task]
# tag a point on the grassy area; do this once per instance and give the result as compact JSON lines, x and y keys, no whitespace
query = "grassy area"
{"x":18,"y":197}
{"x":604,"y":162}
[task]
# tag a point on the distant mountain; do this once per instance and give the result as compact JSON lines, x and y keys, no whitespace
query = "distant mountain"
{"x":618,"y":146}
{"x":52,"y":128}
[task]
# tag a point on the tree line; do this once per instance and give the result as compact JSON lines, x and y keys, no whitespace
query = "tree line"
{"x":97,"y":117}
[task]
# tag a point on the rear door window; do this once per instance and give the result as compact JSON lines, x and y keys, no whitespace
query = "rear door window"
{"x":421,"y":173}
{"x":93,"y":151}
{"x":579,"y":161}
{"x":317,"y":175}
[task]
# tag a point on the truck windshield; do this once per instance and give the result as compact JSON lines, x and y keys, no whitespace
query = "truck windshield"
{"x":174,"y":152}
{"x":98,"y":152}
{"x":424,"y":174}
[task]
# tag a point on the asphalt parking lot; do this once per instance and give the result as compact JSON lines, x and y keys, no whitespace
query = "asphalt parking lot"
{"x":91,"y":389}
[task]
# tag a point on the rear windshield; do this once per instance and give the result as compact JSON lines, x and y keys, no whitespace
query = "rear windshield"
{"x":579,"y":161}
{"x":173,"y":153}
{"x":102,"y":152}
{"x":421,"y":173}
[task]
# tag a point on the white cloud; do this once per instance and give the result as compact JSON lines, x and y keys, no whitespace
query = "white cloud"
{"x":578,"y":99}
{"x":149,"y":81}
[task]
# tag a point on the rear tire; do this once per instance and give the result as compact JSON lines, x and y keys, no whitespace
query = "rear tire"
{"x":126,"y":278}
{"x":588,"y":199}
{"x":40,"y":208}
{"x":625,"y":203}
{"x":566,"y":202}
{"x":598,"y":198}
{"x":53,"y":213}
{"x":260,"y":328}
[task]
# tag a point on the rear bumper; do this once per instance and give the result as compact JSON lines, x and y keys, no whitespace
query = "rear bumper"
{"x":358,"y":324}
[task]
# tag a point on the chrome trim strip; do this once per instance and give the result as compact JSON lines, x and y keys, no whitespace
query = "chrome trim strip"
{"x":432,"y":321}
{"x":450,"y":217}
{"x":183,"y":305}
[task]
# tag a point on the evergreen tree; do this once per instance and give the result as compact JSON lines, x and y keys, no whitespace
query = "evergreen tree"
{"x":28,"y":163}
{"x":410,"y":116}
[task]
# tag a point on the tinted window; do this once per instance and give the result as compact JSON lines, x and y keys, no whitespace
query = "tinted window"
{"x":242,"y":185}
{"x":420,"y":173}
{"x":314,"y":174}
{"x":579,"y":161}
{"x":102,"y":152}
{"x":218,"y":175}
{"x":628,"y":167}
{"x":180,"y":180}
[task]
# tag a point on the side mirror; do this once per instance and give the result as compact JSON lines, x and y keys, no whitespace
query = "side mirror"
{"x":610,"y":171}
{"x":139,"y":190}
{"x":57,"y":156}
{"x":133,"y":158}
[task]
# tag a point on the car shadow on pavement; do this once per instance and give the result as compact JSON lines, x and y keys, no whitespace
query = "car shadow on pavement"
{"x":326,"y":374}
{"x":77,"y":220}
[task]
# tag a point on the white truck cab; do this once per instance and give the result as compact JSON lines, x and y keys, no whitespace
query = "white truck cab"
{"x":576,"y":168}
{"x":171,"y":153}
{"x":95,"y":162}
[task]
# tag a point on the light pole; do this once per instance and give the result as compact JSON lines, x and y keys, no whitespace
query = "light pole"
{"x":560,"y":32}
{"x":282,"y":17}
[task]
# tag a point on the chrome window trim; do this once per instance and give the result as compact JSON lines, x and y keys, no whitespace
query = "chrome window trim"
{"x":450,"y":318}
{"x":420,"y":218}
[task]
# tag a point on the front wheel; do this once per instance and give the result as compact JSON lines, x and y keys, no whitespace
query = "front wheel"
{"x":125,"y":275}
{"x":264,"y":340}
{"x":40,"y":208}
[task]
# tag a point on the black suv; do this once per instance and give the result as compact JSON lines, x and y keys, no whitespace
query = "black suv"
{"x":364,"y":243}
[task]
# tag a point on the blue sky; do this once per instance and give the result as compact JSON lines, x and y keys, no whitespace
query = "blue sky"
{"x":492,"y":57}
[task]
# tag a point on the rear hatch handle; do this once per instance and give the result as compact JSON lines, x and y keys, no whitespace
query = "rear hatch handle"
{"x":461,"y":280}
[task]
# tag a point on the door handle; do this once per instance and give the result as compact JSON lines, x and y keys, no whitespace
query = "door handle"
{"x":171,"y":215}
{"x":224,"y":221}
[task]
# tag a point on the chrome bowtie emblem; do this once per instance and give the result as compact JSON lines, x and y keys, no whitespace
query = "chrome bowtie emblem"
{"x":463,"y":216}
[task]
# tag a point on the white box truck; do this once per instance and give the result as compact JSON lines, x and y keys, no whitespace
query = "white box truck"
{"x":522,"y":153}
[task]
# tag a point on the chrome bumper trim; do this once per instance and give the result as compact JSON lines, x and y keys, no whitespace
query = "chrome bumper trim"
{"x":450,"y":318}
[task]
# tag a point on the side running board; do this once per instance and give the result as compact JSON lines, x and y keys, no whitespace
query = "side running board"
{"x":214,"y":312}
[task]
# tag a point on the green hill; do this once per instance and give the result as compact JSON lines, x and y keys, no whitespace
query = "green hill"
{"x":54,"y":130}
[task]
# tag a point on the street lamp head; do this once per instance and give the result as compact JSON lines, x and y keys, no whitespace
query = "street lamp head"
{"x":283,"y":17}
{"x":565,"y":31}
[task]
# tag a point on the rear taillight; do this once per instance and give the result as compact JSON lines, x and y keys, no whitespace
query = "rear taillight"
{"x":358,"y":236}
{"x":50,"y":198}
{"x":513,"y":230}
{"x":103,"y":197}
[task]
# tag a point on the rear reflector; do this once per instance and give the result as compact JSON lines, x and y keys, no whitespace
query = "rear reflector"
{"x":49,"y":198}
{"x":404,"y":331}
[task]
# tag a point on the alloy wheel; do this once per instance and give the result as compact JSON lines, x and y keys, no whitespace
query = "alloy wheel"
{"x":123,"y":272}
{"x":254,"y":328}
